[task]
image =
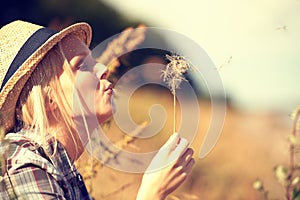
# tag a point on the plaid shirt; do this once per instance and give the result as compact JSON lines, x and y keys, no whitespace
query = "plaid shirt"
{"x":29,"y":173}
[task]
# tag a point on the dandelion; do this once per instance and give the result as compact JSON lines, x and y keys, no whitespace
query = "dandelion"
{"x":173,"y":76}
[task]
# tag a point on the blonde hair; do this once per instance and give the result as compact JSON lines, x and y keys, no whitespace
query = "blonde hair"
{"x":42,"y":89}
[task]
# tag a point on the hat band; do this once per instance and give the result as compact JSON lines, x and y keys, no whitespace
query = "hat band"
{"x":36,"y":40}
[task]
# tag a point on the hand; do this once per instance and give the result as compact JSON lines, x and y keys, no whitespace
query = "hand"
{"x":167,"y":170}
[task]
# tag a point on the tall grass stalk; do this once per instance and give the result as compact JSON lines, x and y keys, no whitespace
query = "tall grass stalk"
{"x":288,"y":176}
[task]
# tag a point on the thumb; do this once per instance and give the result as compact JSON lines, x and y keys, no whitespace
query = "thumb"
{"x":162,"y":156}
{"x":172,"y":142}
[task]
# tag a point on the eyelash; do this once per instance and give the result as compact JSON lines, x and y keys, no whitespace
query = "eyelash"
{"x":83,"y":67}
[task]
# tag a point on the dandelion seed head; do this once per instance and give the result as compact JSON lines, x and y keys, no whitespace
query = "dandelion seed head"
{"x":173,"y":73}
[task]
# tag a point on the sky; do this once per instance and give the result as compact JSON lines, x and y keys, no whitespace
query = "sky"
{"x":254,"y":43}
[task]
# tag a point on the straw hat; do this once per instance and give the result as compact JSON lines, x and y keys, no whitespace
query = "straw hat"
{"x":22,"y":46}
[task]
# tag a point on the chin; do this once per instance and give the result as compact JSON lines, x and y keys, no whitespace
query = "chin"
{"x":105,"y":116}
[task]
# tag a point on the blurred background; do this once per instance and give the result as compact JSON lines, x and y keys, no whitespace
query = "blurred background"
{"x":254,"y":46}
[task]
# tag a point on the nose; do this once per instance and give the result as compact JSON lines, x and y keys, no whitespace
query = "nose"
{"x":101,"y":71}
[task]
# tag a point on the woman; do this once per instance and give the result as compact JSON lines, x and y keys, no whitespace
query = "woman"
{"x":51,"y":88}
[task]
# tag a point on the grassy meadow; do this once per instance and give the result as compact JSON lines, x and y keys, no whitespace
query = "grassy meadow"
{"x":250,"y":146}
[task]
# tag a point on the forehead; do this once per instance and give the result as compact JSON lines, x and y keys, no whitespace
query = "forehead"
{"x":73,"y":46}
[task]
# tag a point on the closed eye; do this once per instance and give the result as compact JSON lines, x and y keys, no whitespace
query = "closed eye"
{"x":79,"y":64}
{"x":83,"y":67}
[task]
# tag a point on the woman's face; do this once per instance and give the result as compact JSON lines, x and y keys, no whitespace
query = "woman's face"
{"x":90,"y":93}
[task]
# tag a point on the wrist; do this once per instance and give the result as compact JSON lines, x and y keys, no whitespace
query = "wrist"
{"x":149,"y":193}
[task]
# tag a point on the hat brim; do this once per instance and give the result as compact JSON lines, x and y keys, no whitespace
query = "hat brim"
{"x":12,"y":89}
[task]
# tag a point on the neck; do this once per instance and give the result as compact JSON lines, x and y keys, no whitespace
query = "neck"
{"x":75,"y":140}
{"x":71,"y":143}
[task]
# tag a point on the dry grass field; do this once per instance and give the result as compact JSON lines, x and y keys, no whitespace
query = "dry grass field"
{"x":251,"y":144}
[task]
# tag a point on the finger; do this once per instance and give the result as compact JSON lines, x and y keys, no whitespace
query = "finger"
{"x":182,"y":172}
{"x":179,"y":149}
{"x":186,"y":167}
{"x":175,"y":144}
{"x":181,"y":146}
{"x":161,"y":159}
{"x":185,"y":158}
{"x":190,"y":166}
{"x":186,"y":171}
{"x":172,"y":141}
{"x":188,"y":151}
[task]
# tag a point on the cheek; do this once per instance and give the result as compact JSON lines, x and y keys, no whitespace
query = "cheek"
{"x":84,"y":98}
{"x":67,"y":87}
{"x":104,"y":107}
{"x":86,"y":83}
{"x":102,"y":102}
{"x":90,"y":99}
